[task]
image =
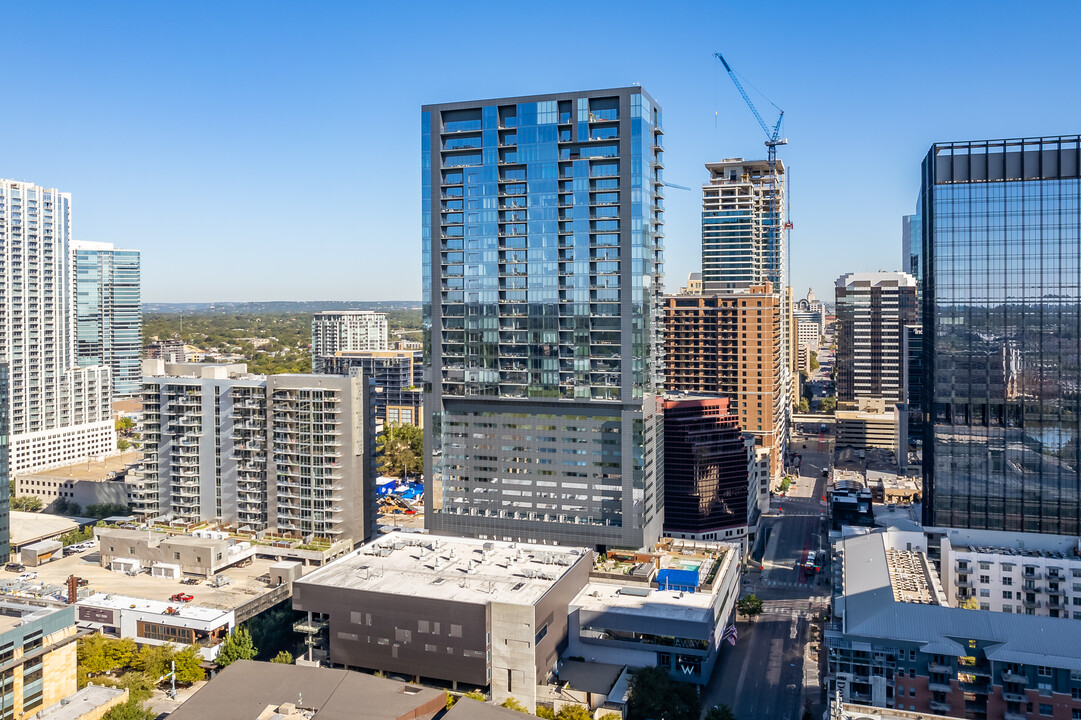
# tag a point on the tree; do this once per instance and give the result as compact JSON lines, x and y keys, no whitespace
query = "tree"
{"x":472,"y":694}
{"x":189,"y":665}
{"x":238,"y":646}
{"x":512,"y":704}
{"x":284,"y":657}
{"x":611,"y":716}
{"x":804,"y":406}
{"x":140,"y":686}
{"x":154,"y":660}
{"x":125,"y":426}
{"x":74,"y":537}
{"x":749,"y":605}
{"x":123,"y":444}
{"x":131,"y":710}
{"x":104,"y":510}
{"x":90,"y":654}
{"x":828,"y":405}
{"x":720,"y":712}
{"x":546,"y":712}
{"x":400,"y":449}
{"x":120,"y":652}
{"x":573,"y":712}
{"x":814,"y":361}
{"x":27,"y":503}
{"x":970,"y":603}
{"x":803,"y":376}
{"x":655,"y":695}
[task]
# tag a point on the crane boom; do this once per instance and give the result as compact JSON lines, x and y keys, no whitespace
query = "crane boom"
{"x":747,"y":99}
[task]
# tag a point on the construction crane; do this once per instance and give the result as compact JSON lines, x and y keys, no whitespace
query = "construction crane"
{"x":772,"y":138}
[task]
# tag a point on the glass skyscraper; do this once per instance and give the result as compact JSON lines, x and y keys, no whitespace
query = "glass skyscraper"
{"x":1001,"y":225}
{"x":109,"y":315}
{"x":542,"y":228}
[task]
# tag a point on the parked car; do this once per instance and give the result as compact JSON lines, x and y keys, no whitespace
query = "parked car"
{"x":14,"y":567}
{"x":182,"y":597}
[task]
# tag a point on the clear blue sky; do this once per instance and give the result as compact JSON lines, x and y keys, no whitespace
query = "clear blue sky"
{"x":270,"y":150}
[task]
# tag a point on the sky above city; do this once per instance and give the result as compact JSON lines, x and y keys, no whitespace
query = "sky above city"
{"x":271,"y":150}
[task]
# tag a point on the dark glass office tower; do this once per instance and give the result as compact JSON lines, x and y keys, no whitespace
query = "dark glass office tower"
{"x":1002,"y":334}
{"x":542,"y":261}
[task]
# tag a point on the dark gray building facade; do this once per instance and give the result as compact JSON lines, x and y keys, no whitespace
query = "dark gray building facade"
{"x":1001,"y":223}
{"x":542,"y":229}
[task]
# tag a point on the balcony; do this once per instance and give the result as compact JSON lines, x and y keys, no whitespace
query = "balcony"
{"x":1031,"y":603}
{"x":940,"y":687}
{"x":1014,"y":697}
{"x":939,"y":707}
{"x":939,"y":668}
{"x":1013,"y":677}
{"x":1011,"y":715}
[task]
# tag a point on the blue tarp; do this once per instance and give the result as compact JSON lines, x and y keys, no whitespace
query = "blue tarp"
{"x":686,"y":580}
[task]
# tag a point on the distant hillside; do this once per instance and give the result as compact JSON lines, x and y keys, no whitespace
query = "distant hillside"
{"x":276,"y":308}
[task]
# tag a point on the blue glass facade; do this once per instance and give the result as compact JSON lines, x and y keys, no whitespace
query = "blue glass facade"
{"x":542,"y":263}
{"x":1001,"y":224}
{"x":109,"y":315}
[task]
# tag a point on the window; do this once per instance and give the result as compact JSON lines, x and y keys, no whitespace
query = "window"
{"x":422,"y":626}
{"x":912,"y":672}
{"x":985,"y":578}
{"x":985,"y":592}
{"x":1075,"y":693}
{"x":1007,"y":594}
{"x":1007,"y":581}
{"x":176,"y":556}
{"x":1043,"y":671}
{"x":1046,"y":709}
{"x":912,"y":692}
{"x":455,"y":630}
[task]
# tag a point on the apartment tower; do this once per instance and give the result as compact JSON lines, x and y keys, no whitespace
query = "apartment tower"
{"x":346,"y":330}
{"x":58,"y":412}
{"x":109,"y":313}
{"x":542,"y":232}
{"x":872,"y":312}
{"x":1001,"y":345}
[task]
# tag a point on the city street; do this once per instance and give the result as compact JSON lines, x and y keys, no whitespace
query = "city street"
{"x":762,"y":676}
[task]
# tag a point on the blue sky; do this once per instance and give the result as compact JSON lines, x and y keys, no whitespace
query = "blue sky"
{"x":270,"y":150}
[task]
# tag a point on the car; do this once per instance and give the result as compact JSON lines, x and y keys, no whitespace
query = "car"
{"x":14,"y":567}
{"x":28,"y":576}
{"x":825,"y":472}
{"x":182,"y":597}
{"x":82,"y":582}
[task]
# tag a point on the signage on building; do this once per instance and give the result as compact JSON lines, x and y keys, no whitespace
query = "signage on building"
{"x":99,"y":615}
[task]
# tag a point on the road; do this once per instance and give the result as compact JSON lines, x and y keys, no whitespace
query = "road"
{"x":762,"y":676}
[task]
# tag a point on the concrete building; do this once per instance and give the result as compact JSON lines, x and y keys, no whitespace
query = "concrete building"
{"x":58,"y":412}
{"x":674,"y":616}
{"x":544,"y":320}
{"x":811,"y":309}
{"x":156,"y":622}
{"x":693,"y":286}
{"x":705,"y":471}
{"x":487,"y":614}
{"x":170,"y":556}
{"x":894,"y":642}
{"x":872,"y":423}
{"x":109,"y":313}
{"x":170,"y":351}
{"x":114,"y":479}
{"x":396,"y":374}
{"x":872,"y":312}
{"x":808,"y":334}
{"x":803,"y":359}
{"x":248,"y":690}
{"x":337,"y":331}
{"x":92,"y":702}
{"x":293,"y":454}
{"x":37,"y":645}
{"x":730,"y":344}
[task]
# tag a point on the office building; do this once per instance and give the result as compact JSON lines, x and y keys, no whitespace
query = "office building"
{"x":730,"y":344}
{"x":706,"y":493}
{"x":57,"y":412}
{"x":872,"y":312}
{"x":108,"y":312}
{"x":397,"y":377}
{"x":913,"y":351}
{"x":344,"y":331}
{"x":1001,"y":234}
{"x":811,"y":309}
{"x":808,"y":334}
{"x":542,"y":268}
{"x":485,"y":614}
{"x":894,"y":641}
{"x":871,"y":423}
{"x":912,"y":247}
{"x":38,"y":644}
{"x":293,"y":454}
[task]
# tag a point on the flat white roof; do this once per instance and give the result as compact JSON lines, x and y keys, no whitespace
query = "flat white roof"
{"x":449,"y":568}
{"x":667,"y":604}
{"x":157,"y":607}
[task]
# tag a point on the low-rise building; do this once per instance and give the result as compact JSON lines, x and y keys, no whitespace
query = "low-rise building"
{"x":895,"y":642}
{"x":670,"y":611}
{"x":37,"y":657}
{"x":113,"y":480}
{"x":872,"y":423}
{"x":157,"y":622}
{"x":248,"y":690}
{"x":462,"y":610}
{"x":168,"y":555}
{"x":92,"y":702}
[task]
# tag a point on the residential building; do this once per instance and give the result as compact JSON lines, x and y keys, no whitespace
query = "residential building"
{"x":157,"y":622}
{"x":693,"y":286}
{"x":872,"y":423}
{"x":290,"y":453}
{"x":169,"y":350}
{"x":706,"y":492}
{"x":108,"y":312}
{"x":57,"y":412}
{"x":344,"y":331}
{"x":1002,"y":441}
{"x":803,"y":359}
{"x":112,"y":480}
{"x":542,"y":268}
{"x":248,"y":690}
{"x":674,"y":616}
{"x":396,"y":374}
{"x":808,"y":334}
{"x":729,"y":344}
{"x":5,"y":466}
{"x":487,"y":614}
{"x":38,"y":646}
{"x":872,"y":312}
{"x":894,"y":641}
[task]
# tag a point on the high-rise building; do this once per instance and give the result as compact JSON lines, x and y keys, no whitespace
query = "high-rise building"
{"x":872,"y":311}
{"x":706,"y":493}
{"x":5,"y":438}
{"x":346,"y":330}
{"x":58,"y":412}
{"x":290,"y":453}
{"x":1002,"y":349}
{"x":542,"y":264}
{"x":810,"y":310}
{"x":911,"y":247}
{"x":729,"y":344}
{"x":109,"y":313}
{"x":397,"y":376}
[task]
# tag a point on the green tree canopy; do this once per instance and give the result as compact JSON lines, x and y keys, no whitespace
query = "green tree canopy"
{"x":720,"y":712}
{"x":749,"y":605}
{"x":189,"y":665}
{"x":472,"y":694}
{"x":27,"y":503}
{"x":656,"y":695}
{"x":512,"y":704}
{"x":573,"y":712}
{"x":804,"y":406}
{"x":400,"y":449}
{"x":284,"y":657}
{"x":827,"y":405}
{"x":131,"y":710}
{"x":238,"y":646}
